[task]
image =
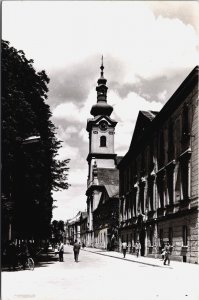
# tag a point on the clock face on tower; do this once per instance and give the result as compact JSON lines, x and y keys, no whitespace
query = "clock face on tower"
{"x":103,"y":126}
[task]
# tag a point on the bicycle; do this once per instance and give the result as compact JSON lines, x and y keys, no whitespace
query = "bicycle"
{"x":29,"y":264}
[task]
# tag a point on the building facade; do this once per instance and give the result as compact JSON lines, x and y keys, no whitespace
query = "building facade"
{"x":73,"y":226}
{"x":83,"y":227}
{"x":105,"y":216}
{"x":101,"y":159}
{"x":159,"y":196}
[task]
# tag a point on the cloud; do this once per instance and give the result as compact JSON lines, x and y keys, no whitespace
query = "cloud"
{"x":73,"y":82}
{"x":78,"y":177}
{"x":149,"y":48}
{"x":66,"y":151}
{"x":84,"y":135}
{"x":125,"y":112}
{"x":152,"y":88}
{"x":186,"y":11}
{"x":69,"y":202}
{"x":67,"y":111}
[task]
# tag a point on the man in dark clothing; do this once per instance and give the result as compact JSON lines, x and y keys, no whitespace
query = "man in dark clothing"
{"x":124,"y":248}
{"x":76,"y":248}
{"x":61,"y":251}
{"x":167,"y":253}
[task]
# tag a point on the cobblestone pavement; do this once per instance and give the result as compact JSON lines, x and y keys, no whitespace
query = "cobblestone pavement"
{"x":102,"y":275}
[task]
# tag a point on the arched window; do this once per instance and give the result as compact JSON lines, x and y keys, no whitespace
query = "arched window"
{"x":102,"y":141}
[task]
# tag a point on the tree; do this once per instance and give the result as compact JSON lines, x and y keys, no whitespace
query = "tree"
{"x":30,"y":171}
{"x":57,"y":230}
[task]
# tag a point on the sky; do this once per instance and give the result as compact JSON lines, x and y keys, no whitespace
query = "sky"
{"x":149,"y":48}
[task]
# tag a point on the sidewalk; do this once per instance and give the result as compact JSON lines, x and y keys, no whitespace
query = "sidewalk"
{"x":155,"y":262}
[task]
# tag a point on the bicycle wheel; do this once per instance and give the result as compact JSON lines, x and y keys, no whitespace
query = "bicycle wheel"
{"x":31,"y":264}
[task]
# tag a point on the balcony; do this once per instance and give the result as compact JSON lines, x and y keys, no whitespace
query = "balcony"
{"x":160,"y":212}
{"x":169,"y":209}
{"x":151,"y":214}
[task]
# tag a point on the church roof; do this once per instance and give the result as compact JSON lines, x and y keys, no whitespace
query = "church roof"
{"x":112,"y":190}
{"x":118,"y":159}
{"x":84,"y":215}
{"x":144,"y":120}
{"x":108,"y":176}
{"x":149,"y":114}
{"x":96,"y":119}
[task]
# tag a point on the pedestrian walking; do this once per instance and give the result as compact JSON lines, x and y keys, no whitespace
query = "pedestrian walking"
{"x":167,"y":253}
{"x":163,"y":253}
{"x":61,"y":251}
{"x":76,"y":249}
{"x":137,"y":248}
{"x":124,"y":248}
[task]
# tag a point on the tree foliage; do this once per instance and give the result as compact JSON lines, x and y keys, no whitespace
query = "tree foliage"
{"x":58,"y":230}
{"x":30,"y":171}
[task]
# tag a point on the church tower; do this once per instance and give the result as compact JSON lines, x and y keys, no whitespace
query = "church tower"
{"x":101,"y":157}
{"x":101,"y":129}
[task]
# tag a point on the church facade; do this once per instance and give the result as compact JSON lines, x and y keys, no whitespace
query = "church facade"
{"x":103,"y":176}
{"x":159,"y":197}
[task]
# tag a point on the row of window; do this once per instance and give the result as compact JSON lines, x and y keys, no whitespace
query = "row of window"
{"x":101,"y":238}
{"x":171,"y":144}
{"x":170,"y":236}
{"x":171,"y":184}
{"x":133,"y":237}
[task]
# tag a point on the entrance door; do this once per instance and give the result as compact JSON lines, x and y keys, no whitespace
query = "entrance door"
{"x":142,"y":241}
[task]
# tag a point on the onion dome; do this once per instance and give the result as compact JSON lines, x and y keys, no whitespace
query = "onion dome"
{"x":101,"y":108}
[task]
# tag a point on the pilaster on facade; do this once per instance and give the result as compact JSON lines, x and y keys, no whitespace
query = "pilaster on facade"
{"x":163,"y":151}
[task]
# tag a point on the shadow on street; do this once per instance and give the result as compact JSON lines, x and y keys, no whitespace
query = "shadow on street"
{"x":41,"y":260}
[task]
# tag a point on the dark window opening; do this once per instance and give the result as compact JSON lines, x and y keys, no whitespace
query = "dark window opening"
{"x":185,"y":122}
{"x":184,"y":235}
{"x":160,"y":188}
{"x":142,"y":204}
{"x":161,"y":150}
{"x":184,"y":180}
{"x":170,"y":235}
{"x":134,"y":201}
{"x":170,"y":142}
{"x":151,"y":236}
{"x":102,"y":141}
{"x":170,"y":186}
{"x":151,"y":193}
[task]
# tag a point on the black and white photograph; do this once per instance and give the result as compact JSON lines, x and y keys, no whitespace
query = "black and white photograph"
{"x":99,"y":150}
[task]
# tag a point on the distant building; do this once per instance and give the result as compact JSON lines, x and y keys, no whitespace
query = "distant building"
{"x":159,"y":199}
{"x":74,"y":228}
{"x":103,"y":183}
{"x":106,"y":214}
{"x":83,"y":227}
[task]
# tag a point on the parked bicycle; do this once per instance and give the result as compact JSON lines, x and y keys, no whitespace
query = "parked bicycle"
{"x":27,"y":264}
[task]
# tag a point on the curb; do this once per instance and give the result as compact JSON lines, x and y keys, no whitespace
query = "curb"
{"x":127,"y":259}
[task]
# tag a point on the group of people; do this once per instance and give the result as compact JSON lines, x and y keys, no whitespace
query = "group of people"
{"x":137,"y":248}
{"x":76,"y":250}
{"x":166,"y":251}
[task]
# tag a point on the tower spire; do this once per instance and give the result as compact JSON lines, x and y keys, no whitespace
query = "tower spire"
{"x":101,"y":108}
{"x":102,"y":68}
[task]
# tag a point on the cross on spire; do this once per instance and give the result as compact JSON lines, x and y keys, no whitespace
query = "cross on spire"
{"x":102,"y":68}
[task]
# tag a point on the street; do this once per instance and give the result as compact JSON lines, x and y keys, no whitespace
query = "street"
{"x":100,"y":277}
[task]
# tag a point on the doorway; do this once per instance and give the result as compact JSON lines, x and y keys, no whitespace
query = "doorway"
{"x":142,"y":241}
